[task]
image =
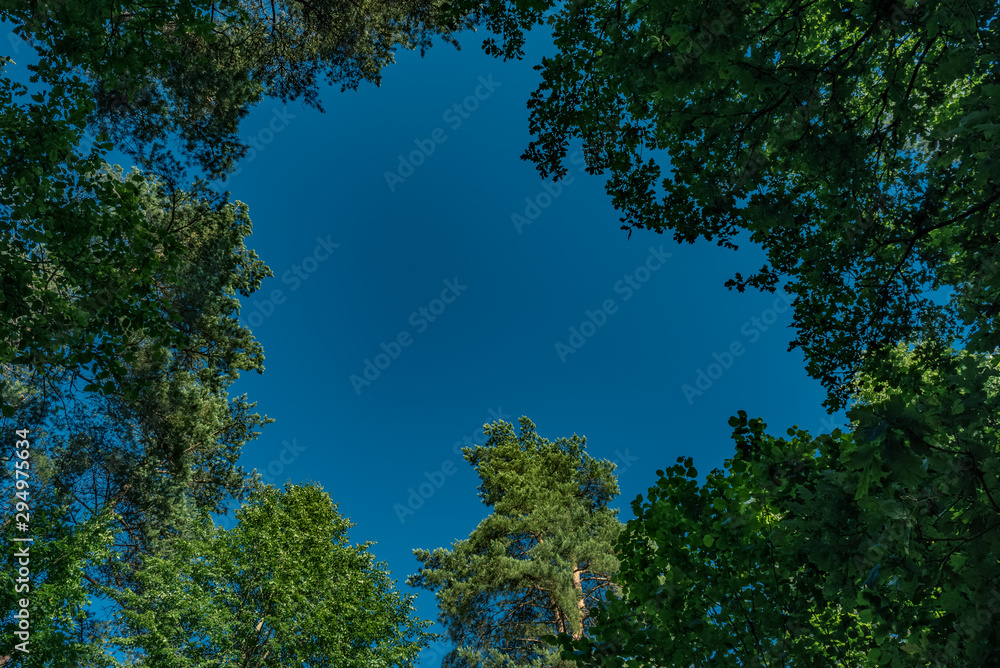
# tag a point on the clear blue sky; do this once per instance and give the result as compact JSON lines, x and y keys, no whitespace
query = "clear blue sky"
{"x":357,"y":254}
{"x":491,"y":351}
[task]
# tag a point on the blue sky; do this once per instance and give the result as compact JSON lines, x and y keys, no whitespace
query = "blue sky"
{"x":410,"y":242}
{"x":519,"y":284}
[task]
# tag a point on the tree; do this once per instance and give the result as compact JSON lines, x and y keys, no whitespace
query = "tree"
{"x":855,"y":142}
{"x":68,"y":226}
{"x":86,"y":281}
{"x":538,"y":562}
{"x":282,"y":588}
{"x":192,"y":70}
{"x":55,"y":628}
{"x":710,"y":577}
{"x":140,"y":76}
{"x":884,"y":541}
{"x":160,"y":445}
{"x":165,"y":413}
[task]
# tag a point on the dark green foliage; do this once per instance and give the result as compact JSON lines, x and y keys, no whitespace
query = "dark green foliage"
{"x":160,"y":444}
{"x":69,"y":234}
{"x":192,"y":70}
{"x":875,"y":547}
{"x":855,"y":142}
{"x":102,"y":291}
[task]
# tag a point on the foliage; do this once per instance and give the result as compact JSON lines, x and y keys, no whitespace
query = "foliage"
{"x":69,"y":225}
{"x":160,"y":445}
{"x":193,"y":69}
{"x":281,"y":588}
{"x":924,"y":475}
{"x":141,"y":75}
{"x":90,"y":286}
{"x":711,"y":578}
{"x":538,"y":562}
{"x":856,"y":143}
{"x":884,"y":541}
{"x":60,"y":631}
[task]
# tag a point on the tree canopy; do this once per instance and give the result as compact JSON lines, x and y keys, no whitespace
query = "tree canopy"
{"x":538,"y":562}
{"x":191,"y":71}
{"x":854,"y":142}
{"x":283,"y":587}
{"x":167,"y":85}
{"x":874,"y":547}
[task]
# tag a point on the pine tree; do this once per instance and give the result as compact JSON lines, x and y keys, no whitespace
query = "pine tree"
{"x":539,"y":562}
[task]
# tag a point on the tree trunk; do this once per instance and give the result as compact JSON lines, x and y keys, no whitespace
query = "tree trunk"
{"x":581,"y":604}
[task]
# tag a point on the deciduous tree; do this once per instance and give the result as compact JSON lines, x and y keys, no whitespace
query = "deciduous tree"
{"x":284,"y":587}
{"x":875,"y":547}
{"x":854,"y":142}
{"x":59,"y":628}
